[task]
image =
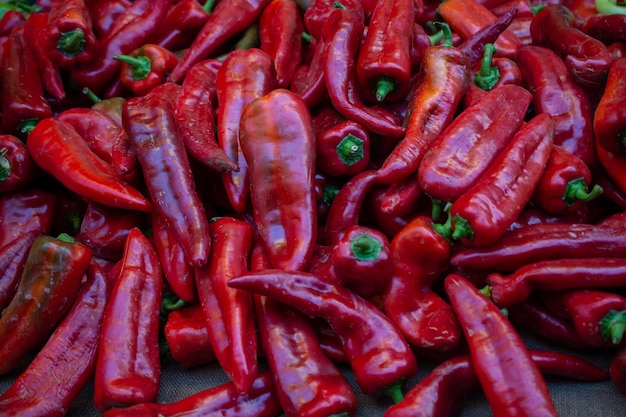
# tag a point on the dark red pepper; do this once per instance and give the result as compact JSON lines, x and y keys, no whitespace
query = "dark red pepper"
{"x":104,"y":13}
{"x":343,"y":149}
{"x":182,"y":23}
{"x":146,"y":67}
{"x":26,"y":210}
{"x":610,"y":113}
{"x":10,"y":18}
{"x":509,"y":377}
{"x":13,"y":257}
{"x":308,"y":79}
{"x":187,"y":337}
{"x":128,"y":368}
{"x":151,"y":126}
{"x":617,"y":369}
{"x":403,"y":197}
{"x":607,"y":28}
{"x":17,"y":168}
{"x":317,"y":14}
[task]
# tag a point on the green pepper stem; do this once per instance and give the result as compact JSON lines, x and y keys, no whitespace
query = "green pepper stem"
{"x":488,"y":75}
{"x":5,"y":166}
{"x":365,"y":248}
{"x":446,"y":32}
{"x":91,"y":95}
{"x":395,"y":392}
{"x":613,"y":326}
{"x":576,"y":190}
{"x":610,"y":7}
{"x":331,"y":190}
{"x":444,"y":229}
{"x":621,"y":138}
{"x":170,"y":303}
{"x":71,"y":43}
{"x":436,"y":37}
{"x":537,"y":8}
{"x":66,"y":238}
{"x":140,"y":65}
{"x":27,"y":125}
{"x":208,"y":6}
{"x":338,"y":5}
{"x":462,"y":228}
{"x":307,"y":37}
{"x":384,"y":86}
{"x":350,"y":149}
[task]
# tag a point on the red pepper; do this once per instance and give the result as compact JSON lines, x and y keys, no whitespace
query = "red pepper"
{"x":308,"y":80}
{"x":307,"y":383}
{"x":391,"y":224}
{"x":617,"y":369}
{"x":540,"y":242}
{"x":608,"y":121}
{"x":556,"y":275}
{"x":151,"y":126}
{"x":510,"y":379}
{"x":228,"y":19}
{"x":420,"y":255}
{"x":484,"y":213}
{"x":244,"y":76}
{"x":379,"y":364}
{"x":362,"y":260}
{"x":23,"y":101}
{"x":104,"y":14}
{"x":277,"y":140}
{"x":610,"y":191}
{"x":586,"y":58}
{"x":464,"y":151}
{"x":182,"y":22}
{"x":10,"y":18}
{"x":343,"y":149}
{"x":342,"y":38}
{"x":443,"y":391}
{"x":187,"y":337}
{"x":136,"y":26}
{"x":26,"y":210}
{"x":317,"y":14}
{"x":146,"y":67}
{"x":229,"y":312}
{"x":443,"y":80}
{"x":281,"y":25}
{"x":495,"y":72}
{"x":13,"y":256}
{"x":50,"y":281}
{"x":17,"y":168}
{"x":69,"y":38}
{"x":195,"y":111}
{"x":59,"y":150}
{"x":564,"y":185}
{"x":128,"y":369}
{"x":64,"y":365}
{"x":556,"y":93}
{"x":260,"y":401}
{"x":402,"y":198}
{"x":607,"y":28}
{"x":383,"y":66}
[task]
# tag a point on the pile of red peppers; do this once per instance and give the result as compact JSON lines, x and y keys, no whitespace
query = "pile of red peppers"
{"x":290,"y":188}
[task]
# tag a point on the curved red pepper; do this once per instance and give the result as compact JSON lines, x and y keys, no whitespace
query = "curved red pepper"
{"x":104,"y":13}
{"x":379,"y":364}
{"x":10,"y":18}
{"x":146,"y":67}
{"x":308,"y":80}
{"x":17,"y":168}
{"x":343,"y":149}
{"x":128,"y":369}
{"x":277,"y":140}
{"x":59,"y":150}
{"x":509,"y":377}
{"x":187,"y":337}
{"x":151,"y":126}
{"x":609,"y":123}
{"x":402,"y":198}
{"x":50,"y":281}
{"x":607,"y":28}
{"x":181,"y":24}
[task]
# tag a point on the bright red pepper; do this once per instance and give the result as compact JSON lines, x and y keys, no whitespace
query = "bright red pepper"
{"x":509,"y":377}
{"x":227,"y":20}
{"x":187,"y":337}
{"x":181,"y":24}
{"x":229,"y":312}
{"x":343,"y":149}
{"x":403,"y":197}
{"x":146,"y":67}
{"x":277,"y":140}
{"x":484,"y":213}
{"x":50,"y":281}
{"x":59,"y":150}
{"x":128,"y":369}
{"x":610,"y":114}
{"x":379,"y":364}
{"x":317,"y":14}
{"x":464,"y":151}
{"x":17,"y":168}
{"x":151,"y":126}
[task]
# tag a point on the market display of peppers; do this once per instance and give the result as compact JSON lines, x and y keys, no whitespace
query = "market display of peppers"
{"x":294,"y":190}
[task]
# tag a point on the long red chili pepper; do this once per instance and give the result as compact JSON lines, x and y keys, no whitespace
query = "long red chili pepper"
{"x":50,"y":281}
{"x":556,"y":275}
{"x":420,"y":255}
{"x":128,"y":369}
{"x":484,"y":213}
{"x":609,"y":117}
{"x":378,"y":353}
{"x":227,"y":20}
{"x":151,"y":126}
{"x":244,"y":76}
{"x":187,"y":337}
{"x":464,"y":151}
{"x":277,"y":140}
{"x":508,"y":376}
{"x":443,"y":80}
{"x":229,"y":312}
{"x":64,"y":365}
{"x":442,"y":392}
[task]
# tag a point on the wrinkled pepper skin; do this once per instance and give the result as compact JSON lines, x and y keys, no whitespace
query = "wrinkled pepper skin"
{"x":17,"y":168}
{"x":278,"y":142}
{"x":508,"y":376}
{"x":128,"y":368}
{"x":609,"y":121}
{"x":50,"y":282}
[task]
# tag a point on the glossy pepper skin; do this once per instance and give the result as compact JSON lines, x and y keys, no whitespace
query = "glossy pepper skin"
{"x":227,"y":20}
{"x":229,"y":312}
{"x":146,"y":67}
{"x":260,"y":401}
{"x":59,"y":150}
{"x":181,"y":24}
{"x":50,"y":281}
{"x":151,"y":126}
{"x":564,"y":185}
{"x":343,"y":149}
{"x":17,"y":168}
{"x":464,"y":151}
{"x":187,"y":337}
{"x":608,"y":28}
{"x":586,"y":58}
{"x":70,"y":38}
{"x":13,"y":257}
{"x":383,"y":66}
{"x":420,"y":255}
{"x":27,"y":210}
{"x":608,"y":121}
{"x":128,"y":369}
{"x":65,"y":364}
{"x":277,"y":140}
{"x":381,"y":363}
{"x":316,"y":15}
{"x":555,"y":92}
{"x":509,"y":377}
